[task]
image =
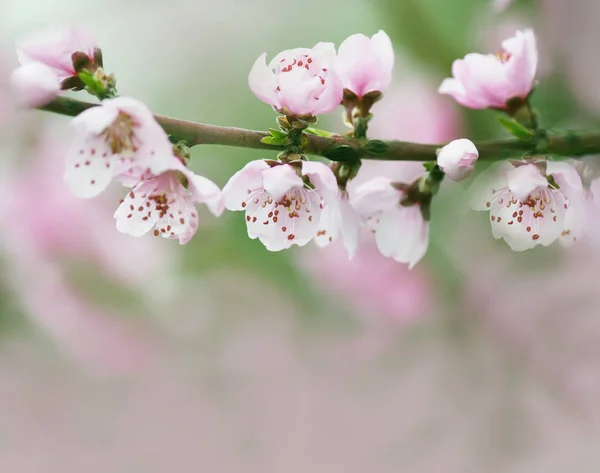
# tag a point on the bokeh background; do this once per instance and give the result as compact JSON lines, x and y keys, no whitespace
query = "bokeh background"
{"x":139,"y":355}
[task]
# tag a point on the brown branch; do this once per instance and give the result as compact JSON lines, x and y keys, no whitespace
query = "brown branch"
{"x":564,"y":144}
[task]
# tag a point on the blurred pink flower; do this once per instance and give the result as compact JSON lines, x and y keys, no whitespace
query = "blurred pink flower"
{"x":55,"y":46}
{"x":457,"y":159}
{"x":118,"y":139}
{"x":526,"y":208}
{"x":490,"y":81}
{"x":365,"y":64}
{"x":163,"y":202}
{"x":48,"y":226}
{"x":300,"y":82}
{"x":34,"y":85}
{"x":281,"y":210}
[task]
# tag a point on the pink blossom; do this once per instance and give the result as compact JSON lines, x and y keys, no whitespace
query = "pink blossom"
{"x":120,"y":138}
{"x":54,"y":47}
{"x":401,"y":232}
{"x":281,"y":208}
{"x":166,"y":203}
{"x":34,"y":85}
{"x":529,"y":206}
{"x":365,"y":64}
{"x":487,"y":80}
{"x":339,"y":218}
{"x":300,"y":82}
{"x":457,"y":159}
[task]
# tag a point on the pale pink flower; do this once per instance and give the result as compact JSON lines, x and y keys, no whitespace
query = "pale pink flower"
{"x":54,"y":47}
{"x":365,"y":64}
{"x":120,"y":138}
{"x":281,"y":208}
{"x":401,"y":232}
{"x":300,"y":82}
{"x":490,"y":81}
{"x":529,"y":206}
{"x":457,"y":159}
{"x":339,"y":218}
{"x":34,"y":85}
{"x":166,"y":203}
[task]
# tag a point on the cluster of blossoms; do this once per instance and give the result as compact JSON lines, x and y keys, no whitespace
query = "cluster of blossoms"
{"x":291,"y":200}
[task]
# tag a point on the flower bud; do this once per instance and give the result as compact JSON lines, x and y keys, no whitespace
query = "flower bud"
{"x":457,"y":159}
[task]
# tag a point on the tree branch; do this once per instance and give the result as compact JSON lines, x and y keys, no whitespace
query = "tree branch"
{"x":571,"y":143}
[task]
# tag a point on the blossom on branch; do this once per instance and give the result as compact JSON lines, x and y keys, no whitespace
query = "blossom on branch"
{"x":365,"y":64}
{"x":65,"y":51}
{"x":530,"y":204}
{"x":283,"y":203}
{"x":490,"y":81}
{"x":298,"y":82}
{"x":166,"y":203}
{"x":119,"y":139}
{"x":400,"y":230}
{"x":457,"y":159}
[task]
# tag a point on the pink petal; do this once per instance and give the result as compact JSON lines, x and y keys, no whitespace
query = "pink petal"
{"x":322,"y":178}
{"x":89,"y":166}
{"x":523,"y":180}
{"x":242,"y":183}
{"x":375,"y":196}
{"x":280,"y":179}
{"x":262,"y":81}
{"x":137,"y":215}
{"x":205,"y":191}
{"x":35,"y":85}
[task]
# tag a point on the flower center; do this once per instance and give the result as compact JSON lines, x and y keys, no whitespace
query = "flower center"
{"x":120,"y":135}
{"x":302,"y":61}
{"x":503,"y":56}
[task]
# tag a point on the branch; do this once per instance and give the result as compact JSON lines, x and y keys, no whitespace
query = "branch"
{"x":571,"y":143}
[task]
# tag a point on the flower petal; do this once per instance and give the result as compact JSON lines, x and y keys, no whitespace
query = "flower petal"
{"x":523,"y":180}
{"x":243,"y":183}
{"x":278,"y":180}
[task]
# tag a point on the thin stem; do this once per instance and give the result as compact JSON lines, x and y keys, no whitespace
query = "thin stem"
{"x":572,"y":143}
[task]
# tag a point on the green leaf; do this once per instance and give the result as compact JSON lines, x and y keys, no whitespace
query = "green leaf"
{"x":342,"y":153}
{"x":278,"y":134}
{"x":318,"y":132}
{"x":515,"y":128}
{"x":377,"y":147}
{"x":270,"y":140}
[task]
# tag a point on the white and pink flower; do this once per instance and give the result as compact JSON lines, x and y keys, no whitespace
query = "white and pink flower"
{"x":283,"y":203}
{"x":119,"y":139}
{"x":301,"y":82}
{"x":365,"y":64}
{"x":490,"y":81}
{"x":400,"y":231}
{"x":457,"y":159}
{"x":54,"y":47}
{"x":166,"y":203}
{"x":530,"y":204}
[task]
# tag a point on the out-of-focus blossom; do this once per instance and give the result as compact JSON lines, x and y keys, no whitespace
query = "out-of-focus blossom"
{"x":301,"y":82}
{"x":400,"y":230}
{"x":166,"y":203}
{"x":34,"y":85}
{"x":120,"y":138}
{"x":530,"y":204}
{"x":50,"y":227}
{"x":339,"y":218}
{"x":281,"y":209}
{"x":490,"y":81}
{"x":55,"y":47}
{"x":365,"y":64}
{"x":457,"y":159}
{"x":500,"y":5}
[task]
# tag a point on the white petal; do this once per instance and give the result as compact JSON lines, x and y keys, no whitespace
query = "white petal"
{"x":205,"y":191}
{"x":35,"y":85}
{"x":322,"y":178}
{"x":567,"y":172}
{"x":374,"y":196}
{"x":180,"y":221}
{"x":481,"y":191}
{"x":242,"y":183}
{"x":90,"y":166}
{"x":350,"y":226}
{"x":262,"y":81}
{"x":523,"y":180}
{"x":280,"y":179}
{"x":137,"y":215}
{"x":94,"y":120}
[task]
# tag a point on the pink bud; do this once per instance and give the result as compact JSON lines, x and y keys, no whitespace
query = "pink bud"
{"x":54,"y":47}
{"x":490,"y":81}
{"x":365,"y":64}
{"x":34,"y":85}
{"x":300,"y":82}
{"x":457,"y":159}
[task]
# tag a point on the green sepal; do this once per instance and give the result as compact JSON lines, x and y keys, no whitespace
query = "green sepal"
{"x":318,"y":132}
{"x":93,"y":85}
{"x":342,"y":153}
{"x":515,"y":128}
{"x":377,"y":147}
{"x":276,"y":138}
